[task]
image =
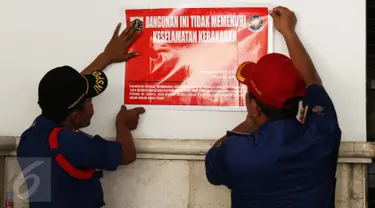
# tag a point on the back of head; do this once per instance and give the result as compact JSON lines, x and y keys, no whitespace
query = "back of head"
{"x":57,"y":91}
{"x":274,"y":84}
{"x":273,"y":113}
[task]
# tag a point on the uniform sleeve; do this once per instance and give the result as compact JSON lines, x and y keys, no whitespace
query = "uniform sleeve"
{"x":216,"y":168}
{"x":90,"y":152}
{"x":321,"y":110}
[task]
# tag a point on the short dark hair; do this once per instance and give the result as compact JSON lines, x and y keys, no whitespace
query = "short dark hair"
{"x":59,"y":115}
{"x":279,"y":114}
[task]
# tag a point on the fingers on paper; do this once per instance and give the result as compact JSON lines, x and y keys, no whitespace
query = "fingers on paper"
{"x":123,"y":107}
{"x":130,"y":40}
{"x":277,"y":11}
{"x":280,"y":9}
{"x":273,"y":15}
{"x":115,"y":33}
{"x":129,"y":31}
{"x":125,"y":32}
{"x":130,"y":55}
{"x":140,"y":110}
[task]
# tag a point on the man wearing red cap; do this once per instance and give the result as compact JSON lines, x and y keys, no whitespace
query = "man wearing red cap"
{"x":272,"y":159}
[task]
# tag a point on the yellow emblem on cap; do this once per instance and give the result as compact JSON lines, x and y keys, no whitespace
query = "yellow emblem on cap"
{"x":239,"y":70}
{"x":99,"y":81}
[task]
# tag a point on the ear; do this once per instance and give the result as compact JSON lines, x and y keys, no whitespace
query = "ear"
{"x":73,"y":117}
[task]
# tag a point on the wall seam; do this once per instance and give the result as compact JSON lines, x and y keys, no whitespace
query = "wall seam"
{"x":191,"y":181}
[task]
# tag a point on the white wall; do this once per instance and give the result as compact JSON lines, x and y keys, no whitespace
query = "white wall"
{"x":41,"y":34}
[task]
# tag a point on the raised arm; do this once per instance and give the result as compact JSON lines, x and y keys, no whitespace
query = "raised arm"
{"x":116,"y":50}
{"x":127,"y":120}
{"x":285,"y":22}
{"x":317,"y":102}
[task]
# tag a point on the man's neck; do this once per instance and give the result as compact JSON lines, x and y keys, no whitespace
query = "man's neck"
{"x":260,"y":120}
{"x":70,"y":124}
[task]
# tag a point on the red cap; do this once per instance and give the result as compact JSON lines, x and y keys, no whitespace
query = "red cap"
{"x":273,"y":80}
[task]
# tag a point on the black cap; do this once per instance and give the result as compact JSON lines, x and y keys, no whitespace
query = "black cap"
{"x":62,"y":88}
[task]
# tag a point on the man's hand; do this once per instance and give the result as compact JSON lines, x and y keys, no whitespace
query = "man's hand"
{"x":284,"y":20}
{"x":126,"y":121}
{"x":117,"y":50}
{"x":128,"y":118}
{"x":118,"y":47}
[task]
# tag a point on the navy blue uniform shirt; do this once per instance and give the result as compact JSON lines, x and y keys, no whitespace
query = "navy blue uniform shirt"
{"x":56,"y":187}
{"x":285,"y":164}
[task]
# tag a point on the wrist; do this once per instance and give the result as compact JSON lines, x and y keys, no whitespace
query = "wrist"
{"x":290,"y":35}
{"x":121,"y":127}
{"x":106,"y":58}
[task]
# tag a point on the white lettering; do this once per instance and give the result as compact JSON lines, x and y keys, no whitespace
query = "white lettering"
{"x":161,"y":22}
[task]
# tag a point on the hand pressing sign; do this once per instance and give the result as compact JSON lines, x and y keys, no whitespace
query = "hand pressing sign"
{"x":129,"y":118}
{"x":284,"y":20}
{"x":118,"y":47}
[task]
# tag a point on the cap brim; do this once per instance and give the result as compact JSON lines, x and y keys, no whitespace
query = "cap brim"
{"x":97,"y":82}
{"x":244,"y":71}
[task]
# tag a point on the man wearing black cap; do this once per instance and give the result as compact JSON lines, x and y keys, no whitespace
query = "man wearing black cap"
{"x":70,"y":179}
{"x":283,"y":162}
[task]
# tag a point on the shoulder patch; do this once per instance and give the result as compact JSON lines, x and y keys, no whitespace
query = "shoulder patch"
{"x":318,"y":109}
